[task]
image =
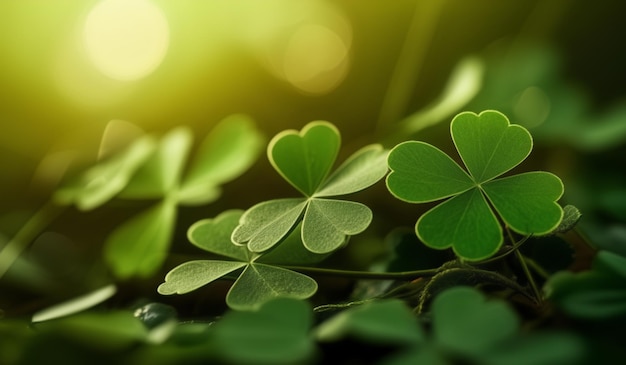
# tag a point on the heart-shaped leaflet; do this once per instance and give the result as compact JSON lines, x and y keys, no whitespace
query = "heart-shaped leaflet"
{"x":305,"y":158}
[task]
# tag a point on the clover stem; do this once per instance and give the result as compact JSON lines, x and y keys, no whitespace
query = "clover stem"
{"x":529,"y":276}
{"x":537,"y":268}
{"x":524,"y":265}
{"x":26,"y":234}
{"x":401,"y":275}
{"x":515,"y":246}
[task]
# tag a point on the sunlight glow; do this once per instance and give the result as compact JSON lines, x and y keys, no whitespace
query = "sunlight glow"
{"x":126,"y":39}
{"x":314,"y":57}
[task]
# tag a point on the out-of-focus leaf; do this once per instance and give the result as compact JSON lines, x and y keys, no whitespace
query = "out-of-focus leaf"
{"x":100,"y":183}
{"x":463,"y":84}
{"x":597,"y":295}
{"x":549,"y":348}
{"x":384,"y":321}
{"x":114,"y":330}
{"x":75,"y":305}
{"x":139,"y":246}
{"x":278,"y":333}
{"x":160,"y":175}
{"x":458,"y":313}
{"x":231,"y":148}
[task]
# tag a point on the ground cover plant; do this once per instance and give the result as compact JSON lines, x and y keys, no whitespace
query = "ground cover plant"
{"x":392,"y":206}
{"x":489,"y":280}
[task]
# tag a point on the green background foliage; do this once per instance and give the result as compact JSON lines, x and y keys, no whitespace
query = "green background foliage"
{"x":102,"y":181}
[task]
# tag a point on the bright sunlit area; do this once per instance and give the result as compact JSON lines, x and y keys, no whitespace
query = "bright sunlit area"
{"x":312,"y":181}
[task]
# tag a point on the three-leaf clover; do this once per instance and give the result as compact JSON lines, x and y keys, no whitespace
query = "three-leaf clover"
{"x":305,"y":159}
{"x":256,"y":284}
{"x":489,"y":146}
{"x":151,"y":169}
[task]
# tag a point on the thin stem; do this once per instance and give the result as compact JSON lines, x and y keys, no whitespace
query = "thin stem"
{"x":529,"y":276}
{"x":401,"y":275}
{"x":28,"y":232}
{"x":515,"y":246}
{"x":537,"y":268}
{"x":523,"y":264}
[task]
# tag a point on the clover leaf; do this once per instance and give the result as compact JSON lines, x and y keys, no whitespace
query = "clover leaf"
{"x":277,"y":333}
{"x":489,"y":146}
{"x":305,"y":159}
{"x":450,"y":333}
{"x":155,"y":169}
{"x":101,"y":182}
{"x":598,"y":294}
{"x":256,"y":284}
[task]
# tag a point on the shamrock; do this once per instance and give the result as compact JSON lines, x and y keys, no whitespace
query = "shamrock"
{"x":489,"y":146}
{"x":154,"y":169}
{"x":304,"y":159}
{"x":256,"y":284}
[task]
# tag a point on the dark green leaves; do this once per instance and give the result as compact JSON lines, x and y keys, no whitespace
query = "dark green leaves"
{"x":304,"y":159}
{"x":256,"y":284}
{"x":489,"y":147}
{"x":597,"y":294}
{"x":464,"y":327}
{"x":278,"y":333}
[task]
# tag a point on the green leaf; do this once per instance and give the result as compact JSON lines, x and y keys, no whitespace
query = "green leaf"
{"x":385,"y":321}
{"x":488,"y":144}
{"x":139,"y":246}
{"x":161,"y":174}
{"x":305,"y":158}
{"x":538,"y":348}
{"x":213,"y":235}
{"x":361,"y":170}
{"x":278,"y":333}
{"x":230,"y":149}
{"x":571,"y":216}
{"x":454,"y":224}
{"x":458,"y":313}
{"x":291,"y":251}
{"x":597,"y":295}
{"x":327,"y":223}
{"x":105,"y":180}
{"x":266,"y":223}
{"x":611,"y":264}
{"x":260,"y":283}
{"x":527,"y":211}
{"x":464,"y":83}
{"x":109,"y":331}
{"x":192,"y":275}
{"x":422,"y":173}
{"x":75,"y":305}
